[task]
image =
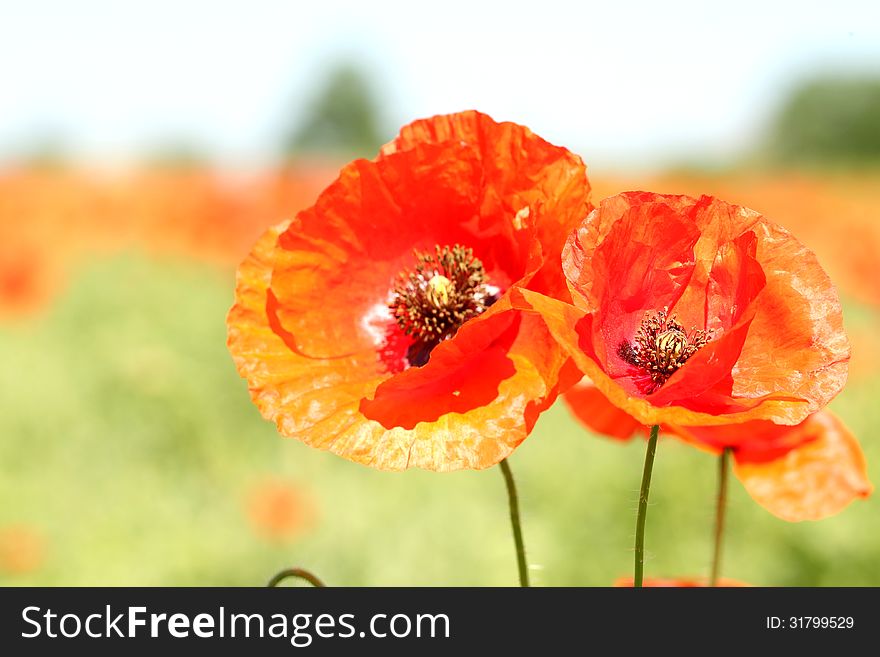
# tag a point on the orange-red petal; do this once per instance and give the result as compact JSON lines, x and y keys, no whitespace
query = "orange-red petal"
{"x":512,"y":160}
{"x":816,"y":479}
{"x":592,"y":409}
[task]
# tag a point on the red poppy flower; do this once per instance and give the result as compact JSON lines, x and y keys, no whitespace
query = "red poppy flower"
{"x":697,"y":312}
{"x":804,"y":472}
{"x":679,"y":582}
{"x":378,"y":324}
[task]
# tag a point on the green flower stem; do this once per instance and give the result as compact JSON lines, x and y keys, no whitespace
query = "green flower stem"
{"x":720,"y":512}
{"x":299,"y":573}
{"x":639,"y":572}
{"x":515,"y":522}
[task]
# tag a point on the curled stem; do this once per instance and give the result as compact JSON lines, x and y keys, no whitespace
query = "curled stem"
{"x":299,"y":573}
{"x":639,"y":571}
{"x":720,"y":512}
{"x":513,"y":501}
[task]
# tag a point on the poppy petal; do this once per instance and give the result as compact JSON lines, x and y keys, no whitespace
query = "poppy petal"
{"x":512,"y":158}
{"x":592,"y":409}
{"x":800,"y":322}
{"x":803,"y":472}
{"x":815,"y":480}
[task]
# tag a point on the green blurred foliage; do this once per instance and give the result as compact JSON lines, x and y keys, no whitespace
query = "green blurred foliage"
{"x":177,"y":155}
{"x":829,"y":121}
{"x":49,"y":151}
{"x":342,"y":119}
{"x":130,"y":444}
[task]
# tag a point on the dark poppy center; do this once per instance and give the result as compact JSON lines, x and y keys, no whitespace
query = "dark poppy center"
{"x":661,"y":346}
{"x":445,"y":289}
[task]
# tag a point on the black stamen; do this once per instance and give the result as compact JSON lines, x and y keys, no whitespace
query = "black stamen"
{"x":661,"y":346}
{"x":446,"y":289}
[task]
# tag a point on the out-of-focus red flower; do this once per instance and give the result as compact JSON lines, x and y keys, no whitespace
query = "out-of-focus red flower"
{"x":379,"y":323}
{"x":35,"y":239}
{"x":30,"y":273}
{"x":679,"y":582}
{"x":203,"y":214}
{"x":697,"y":312}
{"x":279,"y":511}
{"x":808,"y":471}
{"x":22,"y":549}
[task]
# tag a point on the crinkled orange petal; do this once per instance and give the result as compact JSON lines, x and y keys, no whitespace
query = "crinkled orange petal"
{"x":799,"y":323}
{"x":512,"y":158}
{"x":678,"y":582}
{"x":815,"y":480}
{"x":312,"y":333}
{"x":778,"y":350}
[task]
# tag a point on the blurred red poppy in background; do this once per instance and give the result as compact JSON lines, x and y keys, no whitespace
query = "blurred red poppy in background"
{"x":697,"y":312}
{"x":22,"y":549}
{"x":35,"y":239}
{"x":378,"y":323}
{"x":808,"y":471}
{"x":679,"y":582}
{"x":30,"y":274}
{"x":279,"y":511}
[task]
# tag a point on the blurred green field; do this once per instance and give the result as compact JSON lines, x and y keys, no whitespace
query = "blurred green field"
{"x":130,"y":444}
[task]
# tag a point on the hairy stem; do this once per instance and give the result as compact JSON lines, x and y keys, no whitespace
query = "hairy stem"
{"x":720,"y":512}
{"x":639,"y":571}
{"x":513,"y":501}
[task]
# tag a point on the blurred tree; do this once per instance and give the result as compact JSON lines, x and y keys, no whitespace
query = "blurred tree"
{"x":342,"y":119}
{"x":180,"y":154}
{"x":46,"y":151}
{"x":829,"y":120}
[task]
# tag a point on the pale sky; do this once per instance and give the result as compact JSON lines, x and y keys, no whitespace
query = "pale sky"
{"x":624,"y":84}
